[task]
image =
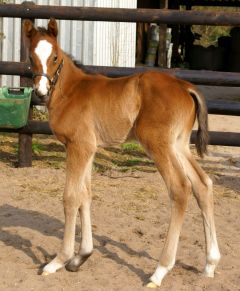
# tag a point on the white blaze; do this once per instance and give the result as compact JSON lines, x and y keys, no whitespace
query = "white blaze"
{"x":43,"y":50}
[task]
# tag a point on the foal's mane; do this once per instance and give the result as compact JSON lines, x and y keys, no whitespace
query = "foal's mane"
{"x":76,"y":62}
{"x":43,"y":30}
{"x":79,"y":64}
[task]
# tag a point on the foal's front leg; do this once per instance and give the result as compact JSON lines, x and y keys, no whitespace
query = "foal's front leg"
{"x":86,"y":245}
{"x":79,"y":159}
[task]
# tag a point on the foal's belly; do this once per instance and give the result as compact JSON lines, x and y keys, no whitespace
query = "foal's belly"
{"x":114,"y":133}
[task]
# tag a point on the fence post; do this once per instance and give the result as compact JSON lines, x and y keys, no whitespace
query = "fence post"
{"x":162,"y":49}
{"x":25,"y":140}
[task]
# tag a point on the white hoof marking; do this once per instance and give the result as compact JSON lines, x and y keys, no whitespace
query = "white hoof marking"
{"x":151,"y":285}
{"x":52,"y":267}
{"x":159,"y":274}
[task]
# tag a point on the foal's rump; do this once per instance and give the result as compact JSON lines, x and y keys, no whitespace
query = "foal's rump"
{"x":166,"y":95}
{"x":172,"y":105}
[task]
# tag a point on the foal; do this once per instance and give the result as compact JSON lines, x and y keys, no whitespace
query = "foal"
{"x":87,"y":111}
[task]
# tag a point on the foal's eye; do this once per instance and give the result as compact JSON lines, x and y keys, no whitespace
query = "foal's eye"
{"x":55,"y":59}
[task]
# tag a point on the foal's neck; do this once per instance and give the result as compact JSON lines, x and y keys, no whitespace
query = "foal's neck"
{"x":70,"y":70}
{"x":69,"y":76}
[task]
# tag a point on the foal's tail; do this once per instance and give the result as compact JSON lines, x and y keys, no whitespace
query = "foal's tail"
{"x":202,"y":117}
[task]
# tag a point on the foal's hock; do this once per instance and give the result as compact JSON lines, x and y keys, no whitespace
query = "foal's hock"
{"x":88,"y":111}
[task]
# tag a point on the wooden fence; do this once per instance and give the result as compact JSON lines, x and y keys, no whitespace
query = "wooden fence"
{"x":29,"y":10}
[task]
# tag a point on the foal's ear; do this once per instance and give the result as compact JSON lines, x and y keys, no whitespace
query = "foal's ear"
{"x":29,"y":28}
{"x":52,"y":27}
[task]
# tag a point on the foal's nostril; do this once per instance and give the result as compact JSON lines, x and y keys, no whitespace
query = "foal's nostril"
{"x":39,"y":92}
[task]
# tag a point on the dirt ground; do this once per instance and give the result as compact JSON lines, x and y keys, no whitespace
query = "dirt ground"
{"x":130,"y":214}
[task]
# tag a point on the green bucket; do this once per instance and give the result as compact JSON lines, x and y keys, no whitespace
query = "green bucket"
{"x":14,"y":106}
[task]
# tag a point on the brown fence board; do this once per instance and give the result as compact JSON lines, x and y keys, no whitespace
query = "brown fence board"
{"x":195,"y":76}
{"x":121,"y":14}
{"x":216,"y":138}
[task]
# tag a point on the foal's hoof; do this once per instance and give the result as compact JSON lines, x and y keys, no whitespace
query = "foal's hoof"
{"x":151,"y":285}
{"x":76,"y":262}
{"x":45,"y":273}
{"x":72,"y":267}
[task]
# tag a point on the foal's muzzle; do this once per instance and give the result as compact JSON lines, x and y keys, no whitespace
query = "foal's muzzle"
{"x":41,"y":89}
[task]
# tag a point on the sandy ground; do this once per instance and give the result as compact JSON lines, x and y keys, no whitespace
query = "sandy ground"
{"x":130,"y":214}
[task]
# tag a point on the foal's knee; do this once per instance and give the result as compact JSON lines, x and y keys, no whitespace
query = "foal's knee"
{"x":70,"y":203}
{"x":208,"y":183}
{"x":204,"y":193}
{"x":75,"y":196}
{"x":180,"y":193}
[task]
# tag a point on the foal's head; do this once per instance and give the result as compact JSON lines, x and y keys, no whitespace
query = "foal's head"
{"x":45,"y":56}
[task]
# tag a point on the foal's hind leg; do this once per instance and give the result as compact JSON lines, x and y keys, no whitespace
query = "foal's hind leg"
{"x":179,"y":188}
{"x":79,"y":159}
{"x":202,"y":189}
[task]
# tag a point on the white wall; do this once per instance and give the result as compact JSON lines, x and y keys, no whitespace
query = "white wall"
{"x":114,"y":42}
{"x":93,"y":43}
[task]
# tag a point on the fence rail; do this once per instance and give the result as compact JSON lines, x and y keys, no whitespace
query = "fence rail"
{"x":28,"y":10}
{"x":223,"y":108}
{"x":202,"y":77}
{"x":165,"y":16}
{"x":217,"y":107}
{"x":215,"y":137}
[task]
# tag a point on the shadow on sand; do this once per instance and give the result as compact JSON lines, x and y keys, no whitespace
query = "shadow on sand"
{"x":51,"y":226}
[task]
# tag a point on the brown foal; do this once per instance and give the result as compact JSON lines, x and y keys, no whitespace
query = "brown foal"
{"x":87,"y":111}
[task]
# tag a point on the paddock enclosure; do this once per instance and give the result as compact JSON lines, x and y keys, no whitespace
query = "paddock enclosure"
{"x":126,"y":186}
